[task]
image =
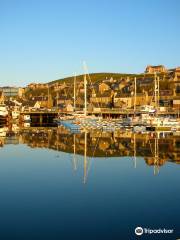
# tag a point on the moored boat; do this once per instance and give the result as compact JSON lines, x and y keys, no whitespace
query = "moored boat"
{"x":3,"y":112}
{"x":26,"y":118}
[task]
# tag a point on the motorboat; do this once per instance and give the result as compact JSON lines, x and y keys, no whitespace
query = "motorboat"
{"x":26,"y":118}
{"x":165,"y":122}
{"x":26,"y":124}
{"x":147,"y":109}
{"x":3,"y":111}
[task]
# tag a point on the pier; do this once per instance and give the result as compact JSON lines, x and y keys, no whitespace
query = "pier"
{"x":48,"y":116}
{"x":129,"y":112}
{"x":41,"y":117}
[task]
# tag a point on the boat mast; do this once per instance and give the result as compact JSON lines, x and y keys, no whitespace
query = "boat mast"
{"x":85,"y":95}
{"x":135,"y":93}
{"x":74,"y":157}
{"x":134,"y":150}
{"x":85,"y":157}
{"x":48,"y":96}
{"x":74,"y":92}
{"x":158,"y":94}
{"x":156,"y":154}
{"x":155,"y":97}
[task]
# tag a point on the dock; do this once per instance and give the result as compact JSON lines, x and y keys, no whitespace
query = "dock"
{"x":45,"y":116}
{"x":41,"y":117}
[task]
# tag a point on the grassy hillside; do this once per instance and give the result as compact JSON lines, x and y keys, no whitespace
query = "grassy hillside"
{"x":96,"y":77}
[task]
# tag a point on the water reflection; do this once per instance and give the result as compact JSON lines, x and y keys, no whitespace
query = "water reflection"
{"x":155,"y":148}
{"x":42,"y":171}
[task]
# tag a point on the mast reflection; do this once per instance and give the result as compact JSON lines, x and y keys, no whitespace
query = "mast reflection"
{"x":156,"y":148}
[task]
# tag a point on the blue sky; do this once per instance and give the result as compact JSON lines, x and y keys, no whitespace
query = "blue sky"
{"x":43,"y":40}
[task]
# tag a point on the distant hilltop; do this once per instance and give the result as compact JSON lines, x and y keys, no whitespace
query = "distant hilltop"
{"x":98,"y":77}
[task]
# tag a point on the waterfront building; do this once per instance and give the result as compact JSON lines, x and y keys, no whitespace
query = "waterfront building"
{"x":104,"y":99}
{"x":10,"y":91}
{"x":123,"y":100}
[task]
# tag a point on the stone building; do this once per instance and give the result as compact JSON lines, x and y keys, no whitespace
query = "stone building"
{"x":155,"y":69}
{"x":104,"y":99}
{"x":37,"y":85}
{"x":104,"y":87}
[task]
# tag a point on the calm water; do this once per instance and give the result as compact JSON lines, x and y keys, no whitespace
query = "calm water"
{"x":56,"y":185}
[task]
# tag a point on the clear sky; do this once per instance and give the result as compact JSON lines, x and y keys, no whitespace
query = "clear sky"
{"x":43,"y":40}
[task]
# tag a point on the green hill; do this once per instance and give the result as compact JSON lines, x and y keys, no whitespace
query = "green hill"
{"x":96,"y":77}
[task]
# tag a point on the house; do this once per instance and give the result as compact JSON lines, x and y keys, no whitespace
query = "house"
{"x":79,"y":102}
{"x":122,"y":100}
{"x":63,"y":100}
{"x":59,"y":86}
{"x":10,"y":91}
{"x":155,"y":69}
{"x":1,"y":97}
{"x":175,"y":73}
{"x":69,"y":108}
{"x":94,"y":107}
{"x":21,"y":92}
{"x":104,"y":99}
{"x":142,"y":99}
{"x":166,"y":92}
{"x":37,"y":85}
{"x":176,"y":104}
{"x":145,"y":82}
{"x":41,"y":101}
{"x":104,"y":87}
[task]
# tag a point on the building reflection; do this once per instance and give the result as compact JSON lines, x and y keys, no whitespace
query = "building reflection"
{"x":155,"y":148}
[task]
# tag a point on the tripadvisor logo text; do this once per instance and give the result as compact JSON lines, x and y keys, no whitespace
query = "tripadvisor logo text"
{"x":139,"y":231}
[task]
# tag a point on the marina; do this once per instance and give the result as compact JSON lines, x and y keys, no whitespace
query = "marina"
{"x":146,"y":121}
{"x":51,"y":165}
{"x":89,"y":120}
{"x":141,"y":118}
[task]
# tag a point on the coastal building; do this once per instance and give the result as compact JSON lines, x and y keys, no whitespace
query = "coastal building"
{"x":63,"y":101}
{"x":104,"y":87}
{"x":104,"y":99}
{"x":59,"y":86}
{"x":12,"y":91}
{"x":122,"y":100}
{"x":175,"y":73}
{"x":176,"y":104}
{"x":155,"y":69}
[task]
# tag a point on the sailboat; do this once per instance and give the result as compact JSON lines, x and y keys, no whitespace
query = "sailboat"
{"x":150,"y":114}
{"x":83,"y":115}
